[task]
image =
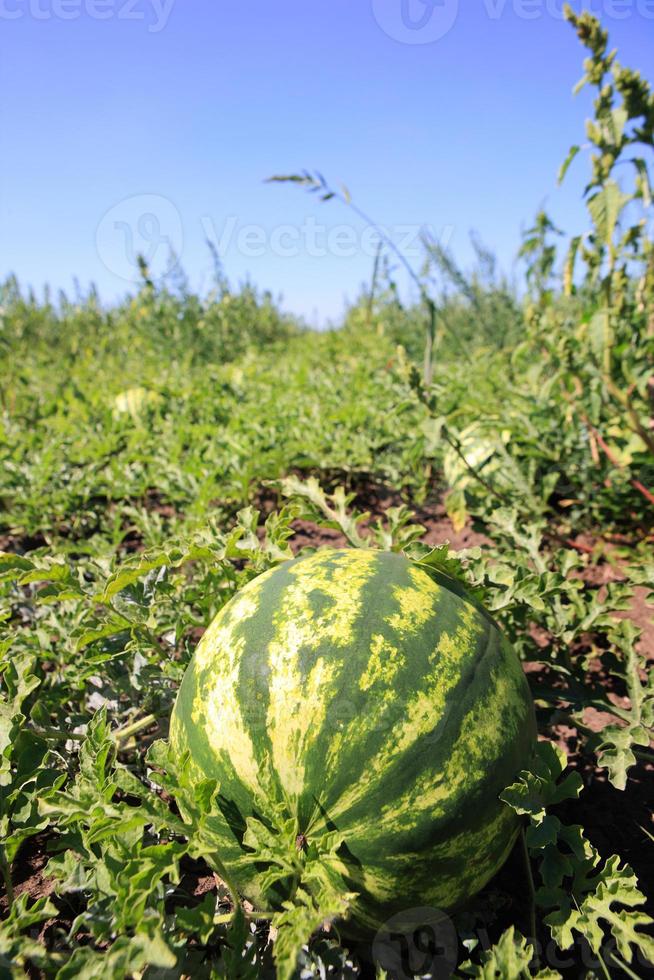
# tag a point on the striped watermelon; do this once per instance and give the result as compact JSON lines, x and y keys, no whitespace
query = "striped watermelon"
{"x":356,"y":691}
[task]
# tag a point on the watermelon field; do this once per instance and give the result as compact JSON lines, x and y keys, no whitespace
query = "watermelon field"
{"x":329,"y":653}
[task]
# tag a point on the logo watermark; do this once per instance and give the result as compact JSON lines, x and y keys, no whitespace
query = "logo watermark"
{"x":428,"y":21}
{"x":155,"y":14}
{"x":416,"y":943}
{"x":150,"y":225}
{"x":416,"y":21}
{"x":317,"y":240}
{"x":144,"y":225}
{"x":424,"y":942}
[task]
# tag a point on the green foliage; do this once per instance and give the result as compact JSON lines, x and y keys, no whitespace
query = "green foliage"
{"x":85,"y":457}
{"x":17,"y":949}
{"x":616,"y":748}
{"x":395,"y":533}
{"x":579,"y":888}
{"x":118,"y":844}
{"x":157,"y":324}
{"x":509,"y":959}
{"x":595,"y":343}
{"x":319,"y":893}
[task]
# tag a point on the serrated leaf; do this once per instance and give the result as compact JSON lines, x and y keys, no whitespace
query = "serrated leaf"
{"x":509,"y":958}
{"x":615,"y":751}
{"x":605,"y":209}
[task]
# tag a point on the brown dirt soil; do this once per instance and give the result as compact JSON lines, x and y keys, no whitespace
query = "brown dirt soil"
{"x":642,"y":614}
{"x":19,"y":544}
{"x":28,"y":871}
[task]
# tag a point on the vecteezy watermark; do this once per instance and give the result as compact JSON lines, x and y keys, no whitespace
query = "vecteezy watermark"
{"x":427,"y":21}
{"x":153,"y":13}
{"x":150,"y":226}
{"x":416,"y":21}
{"x":316,"y":240}
{"x":424,"y":942}
{"x":536,"y":9}
{"x":144,"y":225}
{"x":415,"y":943}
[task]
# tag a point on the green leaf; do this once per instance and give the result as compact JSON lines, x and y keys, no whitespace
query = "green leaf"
{"x":600,"y":333}
{"x":331,"y":510}
{"x":605,"y":209}
{"x":539,"y":788}
{"x":311,"y":875}
{"x":12,"y":565}
{"x":17,"y":950}
{"x":509,"y":959}
{"x":198,"y":921}
{"x":615,"y":751}
{"x":613,"y":885}
{"x":321,"y":897}
{"x":572,"y":153}
{"x":579,"y":892}
{"x":456,"y":508}
{"x":126,"y":957}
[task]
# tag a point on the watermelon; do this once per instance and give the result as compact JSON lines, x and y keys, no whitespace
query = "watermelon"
{"x":358,"y":692}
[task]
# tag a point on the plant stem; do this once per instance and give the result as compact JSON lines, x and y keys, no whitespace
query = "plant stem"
{"x":6,"y":875}
{"x":620,"y":963}
{"x":373,"y":284}
{"x":344,"y":198}
{"x":226,"y":917}
{"x":428,"y":369}
{"x":424,"y":296}
{"x":532,"y":890}
{"x":631,"y":412}
{"x":54,"y":733}
{"x":614,"y":461}
{"x":221,"y":872}
{"x":253,"y":916}
{"x":134,"y":727}
{"x":455,"y":445}
{"x":603,"y":966}
{"x":553,"y":696}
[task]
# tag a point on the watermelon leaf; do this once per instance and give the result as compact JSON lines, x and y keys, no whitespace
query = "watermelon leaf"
{"x":331,"y":510}
{"x":299,"y":919}
{"x":615,"y":751}
{"x":310,"y":872}
{"x":537,"y":789}
{"x":509,"y":958}
{"x":578,"y":891}
{"x":17,"y":947}
{"x":453,"y":565}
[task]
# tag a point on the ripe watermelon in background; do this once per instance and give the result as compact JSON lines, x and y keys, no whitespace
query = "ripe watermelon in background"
{"x":360,"y":693}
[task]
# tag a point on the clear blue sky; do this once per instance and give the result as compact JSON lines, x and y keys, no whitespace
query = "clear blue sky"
{"x":130,"y":123}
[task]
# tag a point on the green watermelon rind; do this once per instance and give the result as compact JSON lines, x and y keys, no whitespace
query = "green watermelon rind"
{"x":357,"y":692}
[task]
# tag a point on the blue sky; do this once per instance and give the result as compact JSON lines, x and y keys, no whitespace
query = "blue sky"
{"x":138,"y":124}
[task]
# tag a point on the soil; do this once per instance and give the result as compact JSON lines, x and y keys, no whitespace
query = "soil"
{"x":28,"y":870}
